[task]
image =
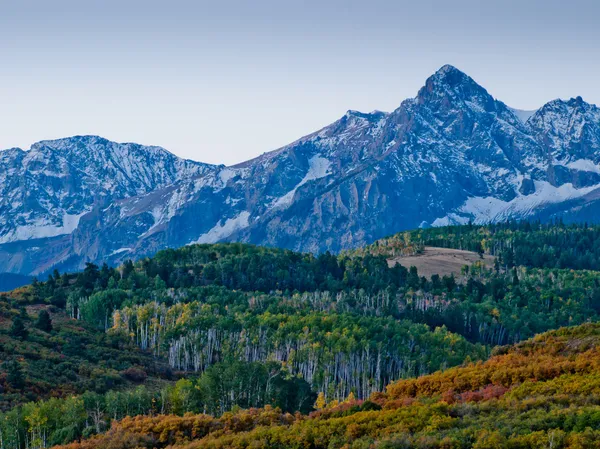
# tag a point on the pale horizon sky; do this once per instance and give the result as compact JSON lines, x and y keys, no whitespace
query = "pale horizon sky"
{"x":224,"y":81}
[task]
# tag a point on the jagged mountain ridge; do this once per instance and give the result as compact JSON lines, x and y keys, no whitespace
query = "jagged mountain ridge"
{"x":451,"y":154}
{"x":44,"y":191}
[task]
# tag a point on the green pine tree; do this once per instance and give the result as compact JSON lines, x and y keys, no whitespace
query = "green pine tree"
{"x":15,"y":375}
{"x":17,"y":329}
{"x":43,"y":322}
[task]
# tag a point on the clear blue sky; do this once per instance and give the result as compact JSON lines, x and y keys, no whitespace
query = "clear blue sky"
{"x":226,"y":80}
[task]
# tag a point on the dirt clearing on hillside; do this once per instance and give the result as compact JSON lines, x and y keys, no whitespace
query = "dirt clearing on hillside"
{"x":442,"y":261}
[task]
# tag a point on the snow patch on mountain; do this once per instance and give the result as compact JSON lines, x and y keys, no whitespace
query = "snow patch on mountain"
{"x":483,"y":210}
{"x":119,"y":251}
{"x":318,"y":167}
{"x":584,"y":165}
{"x":41,"y":228}
{"x":224,"y":230}
{"x":226,"y":174}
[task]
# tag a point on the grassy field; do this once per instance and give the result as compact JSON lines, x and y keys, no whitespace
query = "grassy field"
{"x":442,"y":261}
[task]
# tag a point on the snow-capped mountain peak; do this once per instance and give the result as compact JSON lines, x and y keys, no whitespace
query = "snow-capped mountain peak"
{"x":451,"y":154}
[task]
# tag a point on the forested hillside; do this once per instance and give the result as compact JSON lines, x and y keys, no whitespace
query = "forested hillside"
{"x":210,"y":329}
{"x":543,"y":393}
{"x":531,"y":244}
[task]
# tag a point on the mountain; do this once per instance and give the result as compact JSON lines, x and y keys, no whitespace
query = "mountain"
{"x":451,"y":155}
{"x":47,"y":190}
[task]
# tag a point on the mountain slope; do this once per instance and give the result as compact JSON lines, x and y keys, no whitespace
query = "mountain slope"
{"x":451,"y":155}
{"x":540,"y":393}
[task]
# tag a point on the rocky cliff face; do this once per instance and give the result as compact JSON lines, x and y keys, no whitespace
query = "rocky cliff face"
{"x":452,"y":154}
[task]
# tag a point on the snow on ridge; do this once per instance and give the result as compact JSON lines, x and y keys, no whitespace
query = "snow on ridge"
{"x":118,"y":251}
{"x":584,"y":165}
{"x":226,"y":174}
{"x":483,"y":210}
{"x":164,"y":212}
{"x":158,"y":216}
{"x":318,"y":167}
{"x":40,"y":228}
{"x":217,"y":180}
{"x":223,"y":230}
